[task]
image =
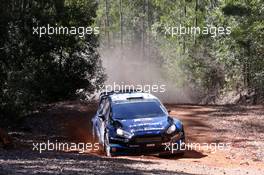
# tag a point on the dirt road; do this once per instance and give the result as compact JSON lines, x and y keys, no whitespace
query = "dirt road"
{"x":240,"y":126}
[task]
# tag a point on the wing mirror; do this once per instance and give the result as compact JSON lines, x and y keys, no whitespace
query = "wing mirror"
{"x":101,"y":116}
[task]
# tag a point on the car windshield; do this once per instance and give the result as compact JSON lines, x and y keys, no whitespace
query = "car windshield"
{"x":134,"y":110}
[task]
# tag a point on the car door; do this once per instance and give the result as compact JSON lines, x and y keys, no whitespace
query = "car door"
{"x":103,"y":122}
{"x":98,"y":123}
{"x":106,"y":112}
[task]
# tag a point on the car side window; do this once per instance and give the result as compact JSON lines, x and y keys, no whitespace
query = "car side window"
{"x":101,"y":107}
{"x":106,"y":109}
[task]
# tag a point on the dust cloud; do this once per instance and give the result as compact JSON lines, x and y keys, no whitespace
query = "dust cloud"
{"x":132,"y":68}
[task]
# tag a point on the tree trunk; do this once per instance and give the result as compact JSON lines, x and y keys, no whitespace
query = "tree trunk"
{"x":184,"y":37}
{"x":148,"y":28}
{"x":107,"y":23}
{"x":143,"y":30}
{"x":121,"y":26}
{"x":196,"y":17}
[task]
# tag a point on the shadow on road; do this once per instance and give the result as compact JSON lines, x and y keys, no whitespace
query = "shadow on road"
{"x":28,"y":162}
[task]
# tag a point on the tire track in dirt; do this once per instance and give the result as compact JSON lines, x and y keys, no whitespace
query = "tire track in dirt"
{"x":71,"y":121}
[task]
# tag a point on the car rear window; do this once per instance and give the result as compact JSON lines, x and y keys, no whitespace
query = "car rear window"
{"x":134,"y":110}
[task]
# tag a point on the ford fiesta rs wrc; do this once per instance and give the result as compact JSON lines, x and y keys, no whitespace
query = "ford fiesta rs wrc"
{"x":136,"y":122}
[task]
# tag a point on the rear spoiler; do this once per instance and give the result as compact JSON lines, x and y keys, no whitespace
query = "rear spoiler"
{"x":134,"y":98}
{"x":107,"y":93}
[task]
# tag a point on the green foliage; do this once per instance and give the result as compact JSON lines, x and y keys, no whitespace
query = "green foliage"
{"x":38,"y":70}
{"x":214,"y":65}
{"x":248,"y":36}
{"x":236,"y":10}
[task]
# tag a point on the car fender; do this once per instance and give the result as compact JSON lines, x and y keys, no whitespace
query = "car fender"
{"x":178,"y":124}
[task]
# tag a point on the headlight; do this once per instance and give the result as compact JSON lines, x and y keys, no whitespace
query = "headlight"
{"x":120,"y":132}
{"x":171,"y":129}
{"x":123,"y":133}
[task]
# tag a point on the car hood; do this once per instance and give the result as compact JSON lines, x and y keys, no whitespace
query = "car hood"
{"x":159,"y":123}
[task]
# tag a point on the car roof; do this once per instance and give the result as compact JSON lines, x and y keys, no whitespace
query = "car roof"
{"x":116,"y":97}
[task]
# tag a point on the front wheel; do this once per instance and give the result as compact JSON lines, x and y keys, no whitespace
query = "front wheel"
{"x":107,"y":147}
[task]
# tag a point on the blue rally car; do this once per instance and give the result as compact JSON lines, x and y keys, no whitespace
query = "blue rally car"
{"x":136,"y":122}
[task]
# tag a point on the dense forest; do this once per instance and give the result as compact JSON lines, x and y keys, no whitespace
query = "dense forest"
{"x":214,"y":65}
{"x":37,"y":70}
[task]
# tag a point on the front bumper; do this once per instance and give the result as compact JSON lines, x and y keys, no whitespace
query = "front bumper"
{"x":165,"y":146}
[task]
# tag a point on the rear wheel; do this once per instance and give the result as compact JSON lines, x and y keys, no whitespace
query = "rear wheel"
{"x":107,"y":147}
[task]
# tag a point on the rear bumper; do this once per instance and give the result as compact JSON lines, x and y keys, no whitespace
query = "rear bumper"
{"x":148,"y":148}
